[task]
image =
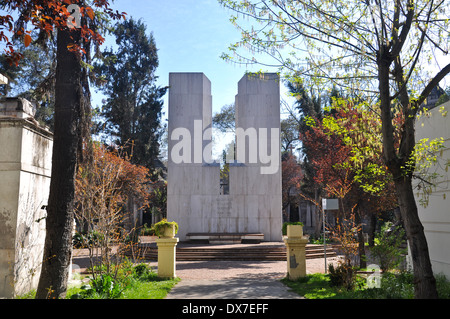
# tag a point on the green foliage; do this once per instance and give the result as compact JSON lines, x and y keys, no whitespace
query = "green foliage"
{"x":284,"y":227}
{"x":443,"y":286}
{"x":160,"y":226}
{"x":425,"y":156}
{"x":158,"y":199}
{"x":134,"y":104}
{"x":319,"y":239}
{"x":225,"y":119}
{"x":146,"y":231}
{"x":102,"y":287}
{"x":342,"y":276}
{"x":133,"y":282}
{"x":315,"y":286}
{"x":91,"y":239}
{"x":33,"y":78}
{"x":393,"y":286}
{"x":445,"y":97}
{"x":388,"y":250}
{"x":151,"y":289}
{"x":143,"y":272}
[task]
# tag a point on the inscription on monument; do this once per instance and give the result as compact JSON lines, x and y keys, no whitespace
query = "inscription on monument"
{"x":223,"y":206}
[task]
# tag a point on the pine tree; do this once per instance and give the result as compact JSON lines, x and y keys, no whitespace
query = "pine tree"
{"x":133,"y":107}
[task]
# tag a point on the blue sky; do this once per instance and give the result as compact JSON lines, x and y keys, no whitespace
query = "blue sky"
{"x":190,"y":36}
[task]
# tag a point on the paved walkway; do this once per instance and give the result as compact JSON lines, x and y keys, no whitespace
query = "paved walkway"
{"x":237,"y":279}
{"x":233,"y":288}
{"x":230,"y":279}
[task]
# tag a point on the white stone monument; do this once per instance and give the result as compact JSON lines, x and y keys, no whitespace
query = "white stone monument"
{"x":253,"y":205}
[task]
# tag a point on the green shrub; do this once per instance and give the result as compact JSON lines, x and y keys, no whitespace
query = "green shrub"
{"x":91,"y":239}
{"x":147,"y":231}
{"x":78,"y":240}
{"x":443,"y":286}
{"x":284,"y":228}
{"x":388,"y":250}
{"x":103,"y":287}
{"x":342,"y":276}
{"x":144,"y":272}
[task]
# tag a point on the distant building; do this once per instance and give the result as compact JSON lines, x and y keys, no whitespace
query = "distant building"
{"x":434,"y":96}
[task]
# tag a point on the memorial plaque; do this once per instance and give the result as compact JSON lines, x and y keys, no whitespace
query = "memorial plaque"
{"x":223,"y":206}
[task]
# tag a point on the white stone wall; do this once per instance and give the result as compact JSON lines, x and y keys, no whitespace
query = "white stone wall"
{"x":435,"y":216}
{"x":25,"y":168}
{"x":194,"y":200}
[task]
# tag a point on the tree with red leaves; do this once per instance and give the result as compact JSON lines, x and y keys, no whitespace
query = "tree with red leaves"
{"x":104,"y":186}
{"x":348,"y":162}
{"x":76,"y":25}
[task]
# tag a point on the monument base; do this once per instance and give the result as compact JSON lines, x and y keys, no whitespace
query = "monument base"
{"x":226,"y":238}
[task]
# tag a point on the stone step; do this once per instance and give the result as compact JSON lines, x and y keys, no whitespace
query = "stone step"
{"x":225,"y":238}
{"x":241,"y":253}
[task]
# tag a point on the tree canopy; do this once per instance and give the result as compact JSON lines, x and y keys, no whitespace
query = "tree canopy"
{"x":133,"y":107}
{"x":382,"y":52}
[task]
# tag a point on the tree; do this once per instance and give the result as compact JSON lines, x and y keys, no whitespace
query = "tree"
{"x":378,"y":50}
{"x":132,"y":110}
{"x":225,"y":122}
{"x":289,"y":134}
{"x":103,"y":186}
{"x":33,"y":78}
{"x":291,"y":177}
{"x":225,"y":119}
{"x":348,"y":162}
{"x":308,"y":104}
{"x":75,"y":32}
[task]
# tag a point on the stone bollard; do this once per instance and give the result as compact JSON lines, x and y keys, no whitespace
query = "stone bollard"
{"x":295,"y":248}
{"x":167,"y":256}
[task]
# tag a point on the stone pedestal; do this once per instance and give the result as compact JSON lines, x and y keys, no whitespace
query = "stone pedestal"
{"x":167,"y":257}
{"x":295,"y":248}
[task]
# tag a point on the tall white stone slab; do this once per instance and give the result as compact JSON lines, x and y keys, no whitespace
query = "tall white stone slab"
{"x":194,"y":200}
{"x":258,"y":113}
{"x":25,"y":168}
{"x":189,"y":175}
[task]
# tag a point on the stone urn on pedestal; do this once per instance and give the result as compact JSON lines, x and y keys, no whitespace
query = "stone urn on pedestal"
{"x":166,"y":243}
{"x":295,"y":248}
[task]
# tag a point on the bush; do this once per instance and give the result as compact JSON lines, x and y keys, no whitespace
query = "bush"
{"x":89,"y":240}
{"x":102,"y":287}
{"x":144,"y":272}
{"x":388,"y":251}
{"x":78,"y":240}
{"x":147,"y":231}
{"x":342,"y":276}
{"x":443,"y":286}
{"x":108,"y":286}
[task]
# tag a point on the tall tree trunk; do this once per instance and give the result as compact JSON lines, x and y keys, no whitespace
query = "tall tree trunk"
{"x":361,"y":244}
{"x":372,"y":229}
{"x":424,"y":281}
{"x":60,"y":211}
